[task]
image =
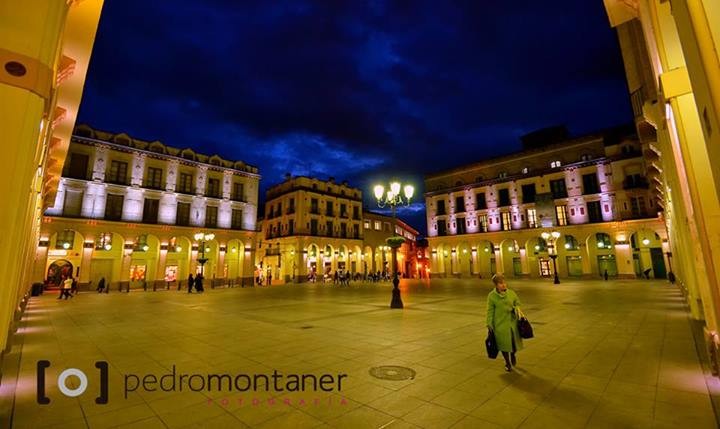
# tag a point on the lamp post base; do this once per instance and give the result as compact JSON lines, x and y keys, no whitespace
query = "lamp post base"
{"x":396,"y":300}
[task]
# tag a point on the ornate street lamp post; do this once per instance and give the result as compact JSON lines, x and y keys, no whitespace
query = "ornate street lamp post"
{"x":393,"y":199}
{"x":551,"y":237}
{"x":202,"y":238}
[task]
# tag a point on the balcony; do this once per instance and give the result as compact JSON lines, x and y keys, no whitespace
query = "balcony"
{"x":290,"y":210}
{"x":634,"y":182}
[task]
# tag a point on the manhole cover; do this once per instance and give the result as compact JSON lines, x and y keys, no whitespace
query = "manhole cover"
{"x":390,"y":372}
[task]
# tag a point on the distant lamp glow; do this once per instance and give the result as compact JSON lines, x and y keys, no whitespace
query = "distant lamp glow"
{"x":108,"y":246}
{"x":66,"y":245}
{"x":379,"y":191}
{"x":145,"y":248}
{"x":487,"y":249}
{"x":464,"y":250}
{"x":207,"y":249}
{"x":395,"y":188}
{"x":537,"y":247}
{"x":601,"y":245}
{"x":234,"y":250}
{"x":646,"y":241}
{"x":178,"y":248}
{"x":567,"y":245}
{"x":510,"y":248}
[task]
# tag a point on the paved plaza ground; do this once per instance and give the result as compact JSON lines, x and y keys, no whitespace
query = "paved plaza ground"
{"x":616,"y":354}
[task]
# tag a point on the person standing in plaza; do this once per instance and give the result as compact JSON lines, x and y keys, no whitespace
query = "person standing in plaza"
{"x":101,"y":285}
{"x":66,"y":287}
{"x":191,"y":282}
{"x":502,"y":310}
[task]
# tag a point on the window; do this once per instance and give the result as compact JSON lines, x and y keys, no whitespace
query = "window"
{"x":459,"y":205}
{"x":238,"y":192}
{"x":118,"y":173}
{"x":461,"y":225}
{"x":140,"y":244}
{"x":637,"y":206}
{"x":504,"y":197}
{"x":558,"y":189}
{"x":278,"y":211}
{"x":555,"y":164}
{"x":561,"y":214}
{"x":329,"y":208}
{"x":211,"y":213}
{"x":150,"y":210}
{"x":603,"y":240}
{"x":313,"y":227}
{"x":291,"y":206}
{"x":505,"y":222}
{"x":570,"y":243}
{"x":72,"y":205}
{"x":314,"y":206}
{"x":213,"y":189}
{"x":525,"y":170}
{"x":103,"y":241}
{"x":502,"y":175}
{"x":594,"y":211}
{"x":185,"y":183}
{"x":586,"y":157}
{"x":442,"y":227}
{"x":441,"y":207}
{"x":483,"y":222}
{"x":77,"y":167}
{"x":114,"y":207}
{"x":532,"y":218}
{"x":480,"y":203}
{"x":378,"y":225}
{"x":343,"y":210}
{"x":236,"y":219}
{"x":528,"y":193}
{"x":386,"y":226}
{"x":356,"y":231}
{"x":366,"y":224}
{"x":153,"y":179}
{"x":329,"y":228}
{"x":291,"y":227}
{"x":356,"y":212}
{"x":65,"y":239}
{"x":590,"y":184}
{"x":343,"y":230}
{"x":183,"y":214}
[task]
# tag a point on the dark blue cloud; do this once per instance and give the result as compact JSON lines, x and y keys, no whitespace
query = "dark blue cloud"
{"x":353,"y":90}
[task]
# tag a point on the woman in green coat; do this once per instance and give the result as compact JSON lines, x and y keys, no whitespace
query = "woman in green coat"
{"x":502,"y":306}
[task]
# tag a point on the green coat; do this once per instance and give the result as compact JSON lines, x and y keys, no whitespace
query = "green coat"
{"x":502,"y":318}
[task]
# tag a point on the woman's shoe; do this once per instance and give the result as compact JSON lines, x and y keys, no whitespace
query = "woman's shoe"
{"x":508,"y":368}
{"x":513,"y":360}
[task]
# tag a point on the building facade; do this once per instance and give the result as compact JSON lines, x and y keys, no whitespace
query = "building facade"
{"x":313,"y":228}
{"x":488,"y":217}
{"x":671,"y":53}
{"x":45,"y":49}
{"x":127,"y":210}
{"x":377,"y":228}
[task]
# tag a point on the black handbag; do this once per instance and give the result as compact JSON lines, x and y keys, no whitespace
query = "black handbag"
{"x":524,"y":327}
{"x":491,"y":345}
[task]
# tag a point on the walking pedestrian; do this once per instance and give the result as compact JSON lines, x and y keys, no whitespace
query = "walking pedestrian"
{"x":66,"y":287}
{"x":605,"y":275}
{"x":101,"y":285}
{"x":269,"y":278}
{"x":74,"y":286}
{"x":502,"y":311}
{"x":191,"y":283}
{"x":647,"y":273}
{"x":199,"y":283}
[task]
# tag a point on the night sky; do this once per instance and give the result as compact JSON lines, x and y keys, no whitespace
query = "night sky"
{"x":357,"y":90}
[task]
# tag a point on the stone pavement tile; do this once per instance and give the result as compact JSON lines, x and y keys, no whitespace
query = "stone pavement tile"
{"x":471,"y":422}
{"x":72,"y":424}
{"x":191,"y":414}
{"x":150,"y":423}
{"x":254,"y":414}
{"x":224,"y":421}
{"x":397,"y":405}
{"x":366,"y":392}
{"x":293,"y":419}
{"x":122,"y":416}
{"x":177,"y":401}
{"x":459,"y":401}
{"x":624,"y":404}
{"x":433,"y":416}
{"x":543,"y":418}
{"x":362,"y":417}
{"x":519,"y":397}
{"x":615,"y":420}
{"x":688,"y":378}
{"x":689,"y":417}
{"x":328,"y":407}
{"x":685,"y":400}
{"x":501,"y":413}
{"x":585,"y":382}
{"x":570,"y":401}
{"x":632,"y":390}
